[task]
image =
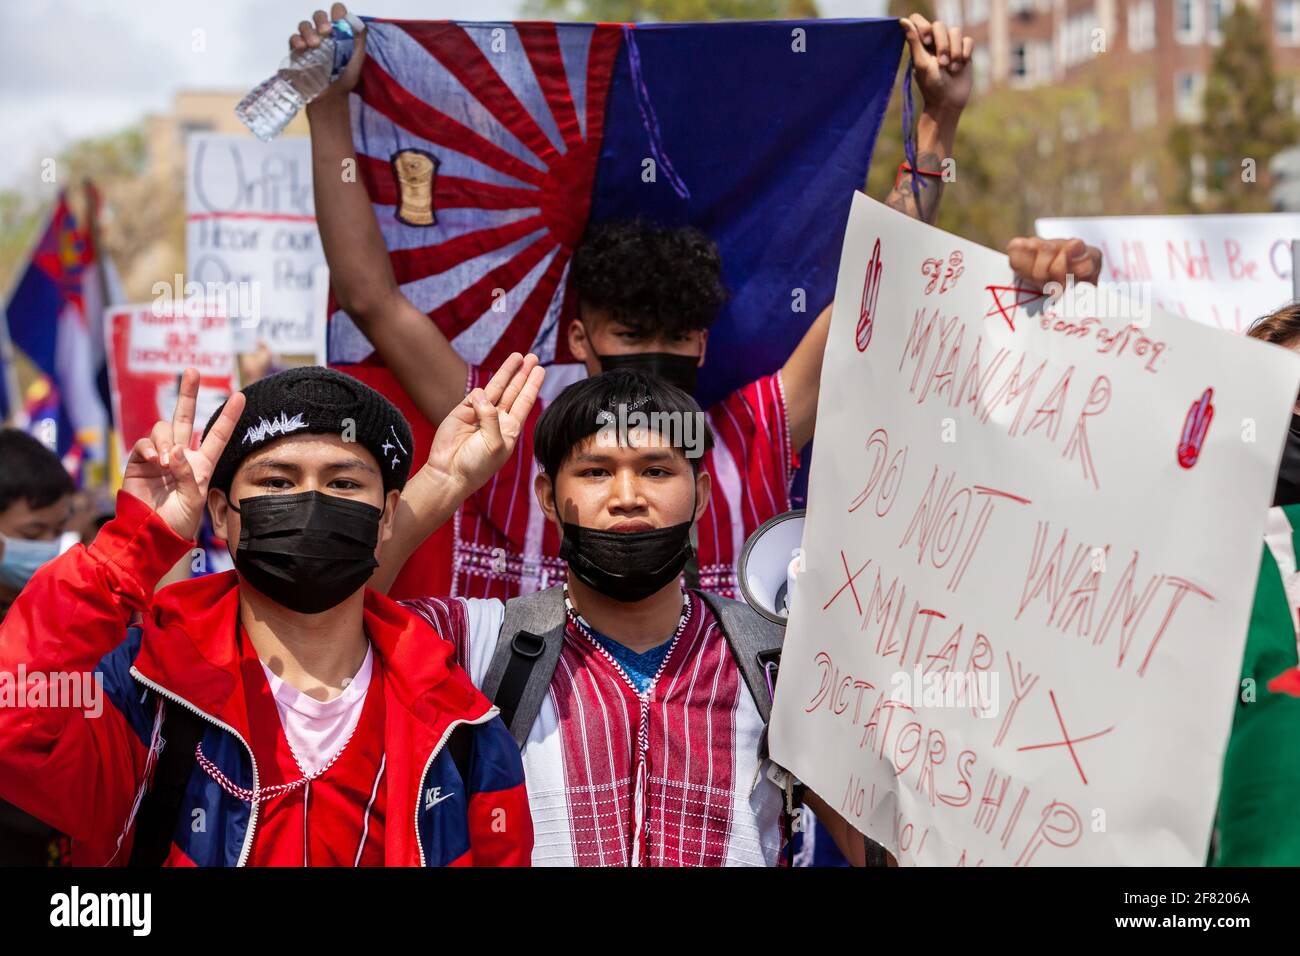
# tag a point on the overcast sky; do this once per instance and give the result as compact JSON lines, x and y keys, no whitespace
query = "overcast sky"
{"x":72,"y":68}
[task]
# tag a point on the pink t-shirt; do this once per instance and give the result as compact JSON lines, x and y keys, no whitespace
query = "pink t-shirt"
{"x":316,"y":729}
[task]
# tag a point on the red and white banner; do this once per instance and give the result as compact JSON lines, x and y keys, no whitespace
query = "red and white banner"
{"x":148,"y":347}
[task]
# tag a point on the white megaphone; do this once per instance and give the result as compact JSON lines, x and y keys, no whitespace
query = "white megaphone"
{"x":769,"y":563}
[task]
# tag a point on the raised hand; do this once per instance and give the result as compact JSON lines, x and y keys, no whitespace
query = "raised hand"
{"x":941,"y":63}
{"x":162,"y":470}
{"x":480,"y":433}
{"x":308,"y":37}
{"x":1040,"y":261}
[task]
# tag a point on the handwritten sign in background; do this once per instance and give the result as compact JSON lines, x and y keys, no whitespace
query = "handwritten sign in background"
{"x":1223,"y":271}
{"x":1071,"y":509}
{"x":148,"y":350}
{"x":251,"y":218}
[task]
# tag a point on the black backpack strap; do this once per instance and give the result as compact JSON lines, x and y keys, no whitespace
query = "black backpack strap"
{"x":458,"y":745}
{"x":155,"y":821}
{"x":755,"y":644}
{"x":527,"y":653}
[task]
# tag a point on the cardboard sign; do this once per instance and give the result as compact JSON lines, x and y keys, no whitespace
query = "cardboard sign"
{"x":251,"y":243}
{"x":148,"y":348}
{"x":1223,"y":271}
{"x":1031,"y":546}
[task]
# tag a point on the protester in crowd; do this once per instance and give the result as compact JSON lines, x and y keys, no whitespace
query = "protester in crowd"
{"x":646,"y":298}
{"x":1283,"y":328}
{"x":36,"y":497}
{"x":1257,"y":824}
{"x":305,"y":719}
{"x":35,"y":504}
{"x":640,"y":706}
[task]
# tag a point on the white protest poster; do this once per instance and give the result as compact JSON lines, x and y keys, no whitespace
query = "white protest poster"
{"x":251,"y":242}
{"x":1225,"y":271}
{"x":1030,"y":553}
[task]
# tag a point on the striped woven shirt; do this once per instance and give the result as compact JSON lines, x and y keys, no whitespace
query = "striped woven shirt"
{"x":669,"y":777}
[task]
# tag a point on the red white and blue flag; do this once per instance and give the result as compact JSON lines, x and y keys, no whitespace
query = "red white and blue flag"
{"x":55,"y":318}
{"x":755,"y":132}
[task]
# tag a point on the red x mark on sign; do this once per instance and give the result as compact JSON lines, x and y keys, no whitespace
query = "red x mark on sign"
{"x":1069,"y":741}
{"x":1016,"y":296}
{"x":848,"y":584}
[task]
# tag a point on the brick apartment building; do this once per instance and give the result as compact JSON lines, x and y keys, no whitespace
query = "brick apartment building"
{"x":1149,"y":74}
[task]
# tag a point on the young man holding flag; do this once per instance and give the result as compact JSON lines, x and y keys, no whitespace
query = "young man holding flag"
{"x":646,"y":297}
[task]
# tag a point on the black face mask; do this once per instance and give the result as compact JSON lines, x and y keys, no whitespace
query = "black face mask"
{"x":679,"y":370}
{"x":307,"y":551}
{"x":626,"y":566}
{"x":1287,"y":491}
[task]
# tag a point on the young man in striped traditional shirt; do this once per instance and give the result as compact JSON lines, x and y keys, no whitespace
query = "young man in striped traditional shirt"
{"x":646,"y":747}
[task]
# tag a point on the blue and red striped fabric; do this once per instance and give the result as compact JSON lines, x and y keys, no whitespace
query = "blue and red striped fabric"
{"x":54,"y":317}
{"x":757,"y":133}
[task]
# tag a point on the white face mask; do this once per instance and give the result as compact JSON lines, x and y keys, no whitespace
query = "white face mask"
{"x":22,"y":558}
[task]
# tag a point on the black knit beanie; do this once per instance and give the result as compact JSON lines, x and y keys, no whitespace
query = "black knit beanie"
{"x":317,"y":400}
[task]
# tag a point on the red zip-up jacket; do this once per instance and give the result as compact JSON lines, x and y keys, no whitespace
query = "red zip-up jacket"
{"x":85,"y":773}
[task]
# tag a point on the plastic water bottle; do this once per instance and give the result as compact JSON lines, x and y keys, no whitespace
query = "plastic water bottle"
{"x":303,"y":76}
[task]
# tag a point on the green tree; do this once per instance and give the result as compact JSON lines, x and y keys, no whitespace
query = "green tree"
{"x":632,"y":11}
{"x":1241,"y":127}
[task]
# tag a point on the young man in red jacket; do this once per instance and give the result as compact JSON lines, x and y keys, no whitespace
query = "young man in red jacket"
{"x":290,"y":715}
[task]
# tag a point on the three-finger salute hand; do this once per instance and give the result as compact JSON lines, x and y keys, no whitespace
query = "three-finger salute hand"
{"x":162,"y":470}
{"x":479,"y":435}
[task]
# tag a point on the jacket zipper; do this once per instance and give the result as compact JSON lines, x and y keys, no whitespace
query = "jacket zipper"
{"x":252,"y":820}
{"x":419,"y":792}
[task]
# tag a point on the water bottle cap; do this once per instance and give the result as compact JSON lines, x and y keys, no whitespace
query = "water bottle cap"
{"x":350,"y":26}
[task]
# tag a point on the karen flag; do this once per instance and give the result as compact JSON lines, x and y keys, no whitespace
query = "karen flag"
{"x":55,"y":317}
{"x":487,"y":148}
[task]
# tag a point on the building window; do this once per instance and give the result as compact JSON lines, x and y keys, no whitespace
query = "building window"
{"x":1142,"y":25}
{"x":1019,"y":62}
{"x":1142,"y":105}
{"x":1198,"y":171}
{"x":1187,"y":21}
{"x":1076,"y":42}
{"x":1189,"y":96}
{"x":1220,"y":10}
{"x":1286,"y":21}
{"x":1020,"y":7}
{"x":981,"y":64}
{"x":1031,"y":63}
{"x":977,"y":11}
{"x":1142,"y":180}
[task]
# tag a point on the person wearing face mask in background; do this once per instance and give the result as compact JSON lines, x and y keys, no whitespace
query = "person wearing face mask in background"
{"x":312,"y":720}
{"x":640,"y":706}
{"x":35,"y":504}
